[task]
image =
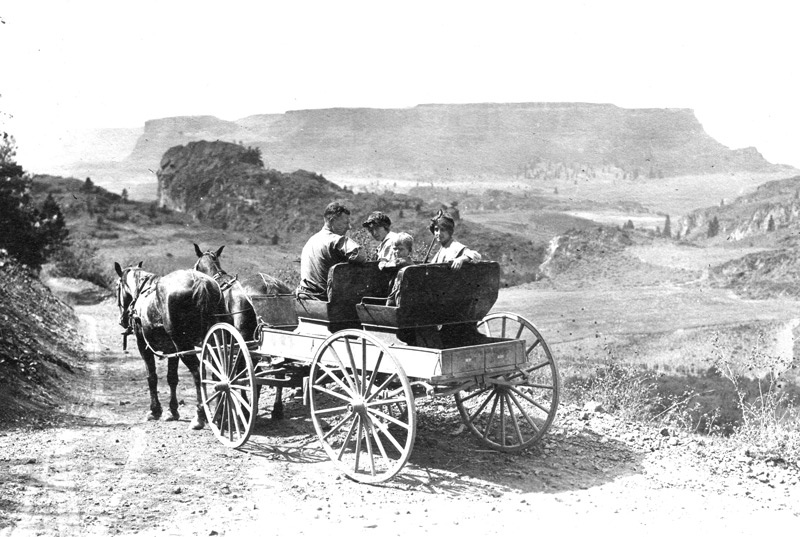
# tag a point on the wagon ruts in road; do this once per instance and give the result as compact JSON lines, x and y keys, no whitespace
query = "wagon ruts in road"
{"x":362,"y":363}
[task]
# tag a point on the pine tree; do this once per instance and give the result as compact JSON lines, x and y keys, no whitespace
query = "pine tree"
{"x":667,"y":228}
{"x":713,"y":227}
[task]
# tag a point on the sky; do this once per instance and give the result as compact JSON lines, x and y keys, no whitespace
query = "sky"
{"x":71,"y":65}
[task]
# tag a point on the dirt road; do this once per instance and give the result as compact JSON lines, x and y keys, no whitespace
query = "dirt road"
{"x":104,"y":470}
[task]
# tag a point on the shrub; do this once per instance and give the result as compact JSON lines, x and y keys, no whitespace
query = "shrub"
{"x":28,"y":233}
{"x":79,"y":260}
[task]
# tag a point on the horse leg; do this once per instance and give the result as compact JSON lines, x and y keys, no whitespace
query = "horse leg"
{"x":193,"y":364}
{"x":172,"y":380}
{"x":152,"y":379}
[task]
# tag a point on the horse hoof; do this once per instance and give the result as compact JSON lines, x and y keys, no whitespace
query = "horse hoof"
{"x":196,"y":425}
{"x":153,"y":417}
{"x":173,"y":417}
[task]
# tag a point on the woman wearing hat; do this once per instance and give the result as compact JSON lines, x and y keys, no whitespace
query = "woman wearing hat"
{"x":450,"y":250}
{"x":378,"y":224}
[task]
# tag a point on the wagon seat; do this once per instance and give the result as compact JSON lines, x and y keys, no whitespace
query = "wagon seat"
{"x":437,"y":307}
{"x":347,"y":285}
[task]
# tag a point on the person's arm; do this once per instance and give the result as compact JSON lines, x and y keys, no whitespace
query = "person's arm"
{"x":351,"y":250}
{"x":466,"y":256}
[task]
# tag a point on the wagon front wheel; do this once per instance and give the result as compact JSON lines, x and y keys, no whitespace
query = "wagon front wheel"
{"x":228,"y":388}
{"x":512,"y":411}
{"x":362,"y":406}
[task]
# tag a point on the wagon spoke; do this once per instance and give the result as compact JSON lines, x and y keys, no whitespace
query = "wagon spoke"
{"x":229,"y":408}
{"x":503,"y":328}
{"x":338,"y":426}
{"x":524,"y":413}
{"x":364,"y":386}
{"x":358,"y":442}
{"x":535,"y":344}
{"x":480,"y":408}
{"x":488,"y":427}
{"x":213,"y":364}
{"x":374,"y":434}
{"x":519,"y":330}
{"x":387,"y":417}
{"x":352,"y":359}
{"x":368,"y":441}
{"x":241,"y":403}
{"x":218,"y":349}
{"x":530,"y":399}
{"x":476,"y":393}
{"x":337,"y":380}
{"x":342,"y":368}
{"x":488,"y":329}
{"x":238,"y":376}
{"x":214,"y":395}
{"x":392,"y":377}
{"x":502,"y":417}
{"x":513,"y":418}
{"x":384,"y":402}
{"x":331,"y":410}
{"x":234,"y":424}
{"x":385,"y":430}
{"x":347,"y":438}
{"x":374,"y":375}
{"x":341,"y":396}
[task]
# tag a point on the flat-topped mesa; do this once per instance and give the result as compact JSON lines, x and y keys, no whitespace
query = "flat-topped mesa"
{"x":471,"y":140}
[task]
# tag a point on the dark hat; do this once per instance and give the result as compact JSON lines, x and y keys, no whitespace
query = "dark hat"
{"x":442,"y":220}
{"x":377,"y":219}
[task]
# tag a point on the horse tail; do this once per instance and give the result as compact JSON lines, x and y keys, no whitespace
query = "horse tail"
{"x":274,"y":286}
{"x":208,"y":299}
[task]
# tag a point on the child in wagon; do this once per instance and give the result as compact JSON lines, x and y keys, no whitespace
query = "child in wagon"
{"x":450,"y":250}
{"x":403,"y":245}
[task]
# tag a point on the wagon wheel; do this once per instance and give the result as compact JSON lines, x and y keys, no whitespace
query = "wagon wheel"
{"x":362,"y":406}
{"x":228,"y":387}
{"x":512,"y":411}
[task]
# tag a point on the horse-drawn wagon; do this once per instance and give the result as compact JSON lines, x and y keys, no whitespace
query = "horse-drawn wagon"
{"x":362,"y":363}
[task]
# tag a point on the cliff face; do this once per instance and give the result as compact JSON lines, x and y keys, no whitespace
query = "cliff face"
{"x":466,"y":140}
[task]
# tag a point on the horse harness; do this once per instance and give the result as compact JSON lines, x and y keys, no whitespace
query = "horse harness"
{"x":144,"y":288}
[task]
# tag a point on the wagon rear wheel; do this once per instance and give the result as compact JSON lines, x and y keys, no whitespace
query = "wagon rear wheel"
{"x":512,"y":411}
{"x":228,"y":387}
{"x":362,"y":406}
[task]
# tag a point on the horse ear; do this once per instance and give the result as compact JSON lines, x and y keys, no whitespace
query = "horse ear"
{"x":219,"y":252}
{"x":140,"y":264}
{"x":118,"y":269}
{"x":197,"y":250}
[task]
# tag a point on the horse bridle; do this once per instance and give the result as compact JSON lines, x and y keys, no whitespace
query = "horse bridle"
{"x":224,"y":286}
{"x":127,"y":314}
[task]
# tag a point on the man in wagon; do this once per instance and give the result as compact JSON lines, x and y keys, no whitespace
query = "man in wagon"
{"x":326,"y":248}
{"x":450,"y":250}
{"x":378,"y":225}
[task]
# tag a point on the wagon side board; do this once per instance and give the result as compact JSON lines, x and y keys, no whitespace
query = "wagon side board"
{"x":437,"y":366}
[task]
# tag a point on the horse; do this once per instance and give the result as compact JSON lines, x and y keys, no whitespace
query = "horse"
{"x":239,"y":303}
{"x":169,"y":315}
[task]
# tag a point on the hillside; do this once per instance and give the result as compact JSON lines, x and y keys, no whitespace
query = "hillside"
{"x":536,"y":141}
{"x":40,"y":346}
{"x":748,"y":215}
{"x":225,"y":185}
